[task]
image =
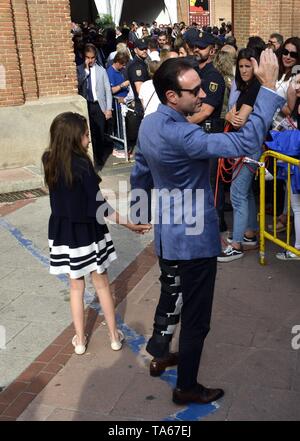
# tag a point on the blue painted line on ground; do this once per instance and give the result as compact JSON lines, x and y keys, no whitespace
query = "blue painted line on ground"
{"x":134,"y":341}
{"x":35,"y":252}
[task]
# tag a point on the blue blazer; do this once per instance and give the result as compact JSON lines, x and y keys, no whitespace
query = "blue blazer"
{"x":173,"y":154}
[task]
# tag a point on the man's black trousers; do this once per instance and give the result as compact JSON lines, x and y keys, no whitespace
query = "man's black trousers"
{"x":187,"y":285}
{"x":102,"y":146}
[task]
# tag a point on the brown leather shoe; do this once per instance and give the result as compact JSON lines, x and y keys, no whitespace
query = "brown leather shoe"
{"x":159,"y":365}
{"x":199,"y":395}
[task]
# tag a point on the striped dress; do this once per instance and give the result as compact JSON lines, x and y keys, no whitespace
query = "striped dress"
{"x":78,"y":243}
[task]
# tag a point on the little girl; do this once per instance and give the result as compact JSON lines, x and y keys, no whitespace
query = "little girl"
{"x":79,"y":245}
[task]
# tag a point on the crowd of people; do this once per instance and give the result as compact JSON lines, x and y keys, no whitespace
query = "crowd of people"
{"x":195,"y":98}
{"x":125,"y":60}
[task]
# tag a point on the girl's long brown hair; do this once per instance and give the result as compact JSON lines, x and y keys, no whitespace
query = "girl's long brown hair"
{"x":66,"y":133}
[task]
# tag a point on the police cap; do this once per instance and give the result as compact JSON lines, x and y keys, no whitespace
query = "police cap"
{"x":204,"y":41}
{"x":141,"y":44}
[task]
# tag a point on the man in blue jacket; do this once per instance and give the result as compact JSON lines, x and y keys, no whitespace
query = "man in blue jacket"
{"x":173,"y":158}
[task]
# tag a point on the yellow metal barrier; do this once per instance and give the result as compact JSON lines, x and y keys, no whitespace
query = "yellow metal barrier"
{"x":263,"y":234}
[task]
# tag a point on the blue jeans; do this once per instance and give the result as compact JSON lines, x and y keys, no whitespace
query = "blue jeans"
{"x":243,"y":201}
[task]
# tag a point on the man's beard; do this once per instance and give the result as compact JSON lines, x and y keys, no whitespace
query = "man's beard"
{"x":201,"y":58}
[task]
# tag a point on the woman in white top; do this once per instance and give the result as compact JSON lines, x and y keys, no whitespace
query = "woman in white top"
{"x":290,"y":57}
{"x":147,"y":93}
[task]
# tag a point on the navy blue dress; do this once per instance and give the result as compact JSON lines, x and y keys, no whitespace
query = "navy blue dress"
{"x":79,"y":242}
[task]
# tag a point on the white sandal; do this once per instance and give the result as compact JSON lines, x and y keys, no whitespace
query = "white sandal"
{"x":116,"y":345}
{"x":79,"y":349}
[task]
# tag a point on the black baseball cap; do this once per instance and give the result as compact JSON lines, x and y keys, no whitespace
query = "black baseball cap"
{"x":204,"y":41}
{"x":141,"y":44}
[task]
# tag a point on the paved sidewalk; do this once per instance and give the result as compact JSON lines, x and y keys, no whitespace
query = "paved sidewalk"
{"x":248,"y":351}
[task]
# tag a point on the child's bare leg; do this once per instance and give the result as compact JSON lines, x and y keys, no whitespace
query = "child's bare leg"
{"x":77,"y":287}
{"x":101,"y":285}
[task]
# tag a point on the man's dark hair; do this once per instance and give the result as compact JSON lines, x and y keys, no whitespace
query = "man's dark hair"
{"x":256,"y":43}
{"x":278,"y":37}
{"x":231,"y":40}
{"x":245,"y":53}
{"x":89,"y":47}
{"x":162,"y":34}
{"x":152,"y":44}
{"x":166,"y":77}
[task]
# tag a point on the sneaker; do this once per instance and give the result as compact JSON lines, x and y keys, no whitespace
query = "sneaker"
{"x":252,"y":241}
{"x":230,"y":254}
{"x":287,"y":255}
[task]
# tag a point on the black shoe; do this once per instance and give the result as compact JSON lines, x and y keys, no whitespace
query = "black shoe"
{"x":159,"y":365}
{"x":198,"y":395}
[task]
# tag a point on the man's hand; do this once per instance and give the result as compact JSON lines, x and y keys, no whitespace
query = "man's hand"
{"x":267,"y":70}
{"x":87,"y":64}
{"x":108,"y":114}
{"x":139,"y":229}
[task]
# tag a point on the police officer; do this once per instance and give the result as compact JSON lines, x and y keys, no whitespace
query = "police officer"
{"x":137,"y":72}
{"x":209,"y":117}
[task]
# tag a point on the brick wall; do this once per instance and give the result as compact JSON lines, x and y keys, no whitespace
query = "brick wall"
{"x":253,"y":17}
{"x":9,"y":58}
{"x":36,"y":50}
{"x":52,"y":47}
{"x":183,"y":10}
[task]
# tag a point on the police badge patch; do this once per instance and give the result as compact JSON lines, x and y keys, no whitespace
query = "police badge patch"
{"x":213,"y":87}
{"x":138,"y":73}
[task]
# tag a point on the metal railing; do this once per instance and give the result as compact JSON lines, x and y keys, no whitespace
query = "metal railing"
{"x":119,"y":127}
{"x":263,"y":234}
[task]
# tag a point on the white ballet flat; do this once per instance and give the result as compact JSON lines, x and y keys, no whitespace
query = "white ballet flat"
{"x":79,"y":349}
{"x":116,"y":345}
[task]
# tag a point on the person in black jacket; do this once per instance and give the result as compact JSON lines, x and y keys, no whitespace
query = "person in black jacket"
{"x":79,"y":240}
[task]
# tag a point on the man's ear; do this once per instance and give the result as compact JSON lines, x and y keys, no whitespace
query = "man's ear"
{"x":172,"y":96}
{"x":212,"y":51}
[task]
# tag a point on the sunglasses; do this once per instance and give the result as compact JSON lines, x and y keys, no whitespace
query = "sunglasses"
{"x":291,"y":54}
{"x":194,"y":91}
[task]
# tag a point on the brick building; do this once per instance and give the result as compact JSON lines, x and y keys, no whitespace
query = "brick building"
{"x":38,"y":78}
{"x":37,"y":69}
{"x":253,"y":17}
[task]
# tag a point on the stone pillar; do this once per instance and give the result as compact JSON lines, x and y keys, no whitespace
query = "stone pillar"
{"x":11,"y":91}
{"x":24,"y":45}
{"x":50,"y":22}
{"x":253,"y":17}
{"x":183,"y":10}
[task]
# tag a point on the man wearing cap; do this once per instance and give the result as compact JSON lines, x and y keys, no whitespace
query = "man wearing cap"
{"x":137,"y":72}
{"x":209,"y":117}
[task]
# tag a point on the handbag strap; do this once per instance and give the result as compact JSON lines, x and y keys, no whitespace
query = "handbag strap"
{"x":149,"y":101}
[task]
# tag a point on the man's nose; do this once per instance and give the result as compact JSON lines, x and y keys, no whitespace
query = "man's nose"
{"x":202,"y":94}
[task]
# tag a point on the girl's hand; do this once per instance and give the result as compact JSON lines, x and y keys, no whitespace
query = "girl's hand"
{"x":237,"y":121}
{"x":139,"y":229}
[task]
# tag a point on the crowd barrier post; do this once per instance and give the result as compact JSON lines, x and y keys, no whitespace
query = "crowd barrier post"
{"x":263,"y":233}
